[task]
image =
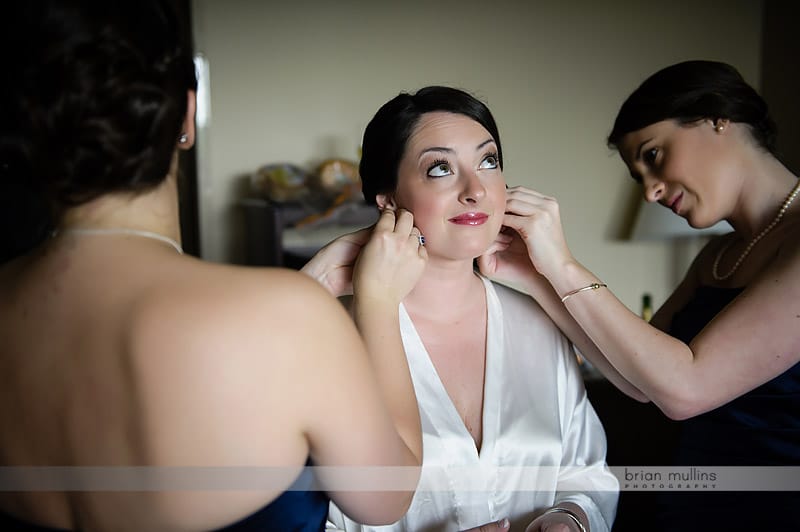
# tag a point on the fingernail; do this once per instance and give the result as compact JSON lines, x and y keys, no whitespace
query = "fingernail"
{"x":503,"y":523}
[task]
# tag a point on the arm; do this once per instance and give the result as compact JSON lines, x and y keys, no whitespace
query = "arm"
{"x":261,"y":367}
{"x":728,"y":358}
{"x":384,"y":272}
{"x":508,"y":260}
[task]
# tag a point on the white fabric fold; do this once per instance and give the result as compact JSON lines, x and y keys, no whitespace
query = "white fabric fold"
{"x":542,"y":441}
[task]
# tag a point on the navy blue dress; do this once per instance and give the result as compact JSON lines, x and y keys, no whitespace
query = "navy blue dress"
{"x":760,"y":428}
{"x":299,"y":509}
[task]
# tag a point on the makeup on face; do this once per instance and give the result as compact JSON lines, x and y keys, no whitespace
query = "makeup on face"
{"x":450,"y":178}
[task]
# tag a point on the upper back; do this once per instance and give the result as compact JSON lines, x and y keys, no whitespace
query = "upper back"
{"x":117,"y":357}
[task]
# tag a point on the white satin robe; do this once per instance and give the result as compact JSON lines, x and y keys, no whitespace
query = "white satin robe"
{"x":535,"y":413}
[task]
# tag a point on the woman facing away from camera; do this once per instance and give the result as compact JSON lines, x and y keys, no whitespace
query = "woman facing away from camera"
{"x":120,"y":351}
{"x":723,"y":351}
{"x":509,"y":436}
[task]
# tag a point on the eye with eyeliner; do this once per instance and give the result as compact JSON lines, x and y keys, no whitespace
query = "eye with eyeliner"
{"x":439,"y":168}
{"x":492,"y":160}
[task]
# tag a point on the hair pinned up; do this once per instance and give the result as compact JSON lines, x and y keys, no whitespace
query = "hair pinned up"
{"x":93,"y":99}
{"x":387,"y":134}
{"x":691,"y":91}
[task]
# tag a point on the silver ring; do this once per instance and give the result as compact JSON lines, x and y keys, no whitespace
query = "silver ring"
{"x":421,"y":240}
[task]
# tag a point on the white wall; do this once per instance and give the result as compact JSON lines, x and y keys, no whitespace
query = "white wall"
{"x":298,"y":81}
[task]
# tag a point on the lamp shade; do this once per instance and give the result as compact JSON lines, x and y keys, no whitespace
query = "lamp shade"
{"x":656,"y":222}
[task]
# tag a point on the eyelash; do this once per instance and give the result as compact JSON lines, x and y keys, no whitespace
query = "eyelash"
{"x":436,"y":163}
{"x":444,"y":162}
{"x":494,"y":156}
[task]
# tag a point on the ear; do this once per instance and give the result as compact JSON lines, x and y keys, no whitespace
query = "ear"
{"x":188,"y":121}
{"x":385,"y":201}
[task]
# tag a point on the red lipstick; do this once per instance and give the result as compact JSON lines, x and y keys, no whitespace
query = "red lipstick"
{"x":470,"y":218}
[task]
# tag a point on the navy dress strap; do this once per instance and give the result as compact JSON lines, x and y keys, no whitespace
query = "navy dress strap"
{"x":301,"y":508}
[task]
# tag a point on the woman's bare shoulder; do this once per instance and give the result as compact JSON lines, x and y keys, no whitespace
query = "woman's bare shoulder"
{"x":225,"y":340}
{"x":252,"y":316}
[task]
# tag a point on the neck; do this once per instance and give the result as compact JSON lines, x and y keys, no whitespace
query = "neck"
{"x":765,"y":187}
{"x":154,"y":211}
{"x":444,"y":291}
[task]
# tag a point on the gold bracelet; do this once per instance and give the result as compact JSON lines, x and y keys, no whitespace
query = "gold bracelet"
{"x":569,"y":513}
{"x":593,"y":286}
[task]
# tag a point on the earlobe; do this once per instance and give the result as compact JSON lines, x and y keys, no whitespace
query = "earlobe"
{"x":385,"y":201}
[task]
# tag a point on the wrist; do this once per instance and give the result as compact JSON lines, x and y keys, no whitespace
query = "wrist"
{"x":569,"y":276}
{"x":375,"y":304}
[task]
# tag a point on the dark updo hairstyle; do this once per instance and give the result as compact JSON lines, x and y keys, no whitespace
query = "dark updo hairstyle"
{"x":93,"y":101}
{"x":387,"y":134}
{"x":691,"y":91}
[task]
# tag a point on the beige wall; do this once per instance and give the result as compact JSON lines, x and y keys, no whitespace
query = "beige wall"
{"x":297,"y":81}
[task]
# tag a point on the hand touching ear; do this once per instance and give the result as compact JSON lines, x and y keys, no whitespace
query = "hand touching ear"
{"x":532,"y":241}
{"x":393,"y":257}
{"x":392,"y":260}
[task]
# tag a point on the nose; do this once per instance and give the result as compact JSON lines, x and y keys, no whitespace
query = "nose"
{"x":654,"y":189}
{"x":473,"y":190}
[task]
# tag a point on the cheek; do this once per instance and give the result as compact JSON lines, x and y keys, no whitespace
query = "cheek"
{"x":423,"y":206}
{"x":496,"y":191}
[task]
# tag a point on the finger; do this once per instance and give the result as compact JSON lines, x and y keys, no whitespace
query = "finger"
{"x":496,"y":246}
{"x":385,"y":221}
{"x":416,"y":238}
{"x":520,"y":191}
{"x":417,"y":233}
{"x":504,"y":238}
{"x":515,"y":222}
{"x":529,"y":205}
{"x":404,"y":223}
{"x":486,"y":263}
{"x":502,"y":524}
{"x":359,"y":237}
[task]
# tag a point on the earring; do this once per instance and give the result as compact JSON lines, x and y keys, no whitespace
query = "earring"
{"x":183,"y":138}
{"x":719,"y":128}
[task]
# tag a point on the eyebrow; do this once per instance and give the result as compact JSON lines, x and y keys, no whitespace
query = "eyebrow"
{"x":451,"y":150}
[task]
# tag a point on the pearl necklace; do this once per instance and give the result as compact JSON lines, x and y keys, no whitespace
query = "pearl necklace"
{"x":121,"y":231}
{"x":786,"y":203}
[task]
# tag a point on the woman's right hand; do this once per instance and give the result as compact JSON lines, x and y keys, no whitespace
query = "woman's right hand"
{"x":531,"y":242}
{"x":393,"y":259}
{"x":537,"y":221}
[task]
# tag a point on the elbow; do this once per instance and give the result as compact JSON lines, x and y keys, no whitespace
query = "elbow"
{"x":638,"y":396}
{"x":386,"y":510}
{"x":676,"y":413}
{"x":682,"y":405}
